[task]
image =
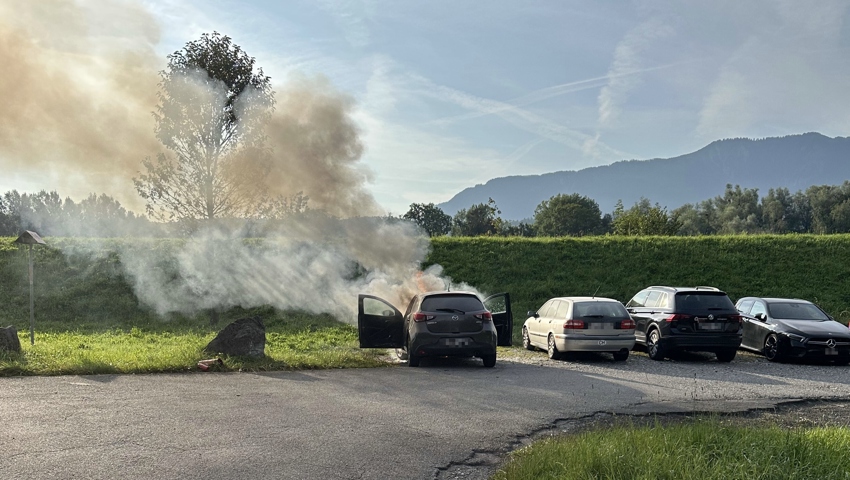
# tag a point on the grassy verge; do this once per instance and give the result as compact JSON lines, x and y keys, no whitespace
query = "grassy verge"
{"x":705,"y":449}
{"x":293,"y":341}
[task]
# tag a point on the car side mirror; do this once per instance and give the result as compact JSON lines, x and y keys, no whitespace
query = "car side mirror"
{"x":761,"y":317}
{"x":533,"y":314}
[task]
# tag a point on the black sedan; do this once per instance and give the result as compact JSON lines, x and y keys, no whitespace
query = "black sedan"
{"x":786,"y":328}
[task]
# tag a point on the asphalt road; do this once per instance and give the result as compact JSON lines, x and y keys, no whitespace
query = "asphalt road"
{"x":437,"y":421}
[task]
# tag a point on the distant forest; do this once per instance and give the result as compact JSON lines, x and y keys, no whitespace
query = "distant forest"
{"x":821,"y":209}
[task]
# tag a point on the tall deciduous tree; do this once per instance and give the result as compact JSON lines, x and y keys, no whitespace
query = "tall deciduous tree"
{"x":430,"y":217}
{"x":643,"y":219}
{"x":213,"y":103}
{"x":572,"y":214}
{"x":479,"y":219}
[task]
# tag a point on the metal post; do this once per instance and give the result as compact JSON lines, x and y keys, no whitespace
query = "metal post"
{"x":32,"y":303}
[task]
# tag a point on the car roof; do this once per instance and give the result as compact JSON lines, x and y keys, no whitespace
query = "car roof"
{"x":449,"y":292}
{"x":777,"y":300}
{"x":585,"y":299}
{"x":699,"y":288}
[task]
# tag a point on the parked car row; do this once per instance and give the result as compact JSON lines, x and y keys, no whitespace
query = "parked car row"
{"x":661,"y":319}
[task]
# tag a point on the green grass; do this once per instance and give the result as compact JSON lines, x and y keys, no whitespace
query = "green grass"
{"x":536,"y":269}
{"x":294,"y":340}
{"x":706,"y":449}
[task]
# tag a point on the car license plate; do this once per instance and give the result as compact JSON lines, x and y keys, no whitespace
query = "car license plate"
{"x":831,"y":351}
{"x":456,"y":342}
{"x":710,"y":326}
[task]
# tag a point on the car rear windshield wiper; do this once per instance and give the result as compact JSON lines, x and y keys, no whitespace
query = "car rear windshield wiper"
{"x":453,"y":310}
{"x":592,"y":316}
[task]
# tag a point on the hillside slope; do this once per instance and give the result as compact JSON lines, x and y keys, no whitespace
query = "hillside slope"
{"x":795,"y":162}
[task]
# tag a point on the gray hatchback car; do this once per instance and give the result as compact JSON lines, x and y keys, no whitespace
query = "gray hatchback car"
{"x":437,"y":324}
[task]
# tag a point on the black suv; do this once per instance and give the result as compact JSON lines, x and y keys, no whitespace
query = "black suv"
{"x":686,"y":318}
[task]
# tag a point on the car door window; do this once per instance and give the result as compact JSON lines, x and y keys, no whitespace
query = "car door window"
{"x":638,"y":300}
{"x":542,"y":313}
{"x":652,"y":299}
{"x":745,"y":306}
{"x":562,"y":310}
{"x":758,"y":307}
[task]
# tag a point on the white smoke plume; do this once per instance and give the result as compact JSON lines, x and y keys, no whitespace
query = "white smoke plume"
{"x":80,"y":115}
{"x":319,"y":269}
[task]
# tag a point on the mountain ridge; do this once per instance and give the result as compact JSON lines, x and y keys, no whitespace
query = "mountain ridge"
{"x":794,"y":161}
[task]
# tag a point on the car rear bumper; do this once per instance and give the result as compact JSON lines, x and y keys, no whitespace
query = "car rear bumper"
{"x":461,"y":345}
{"x":600,"y":343}
{"x":706,"y":343}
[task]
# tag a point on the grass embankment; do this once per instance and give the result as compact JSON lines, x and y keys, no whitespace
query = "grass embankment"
{"x":812,"y":267}
{"x":705,"y":449}
{"x":88,"y":319}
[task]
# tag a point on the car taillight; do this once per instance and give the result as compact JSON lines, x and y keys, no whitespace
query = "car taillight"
{"x":486,"y":316}
{"x":736,"y":318}
{"x":673,"y":320}
{"x":421,"y":317}
{"x":574,"y":325}
{"x":627,"y":324}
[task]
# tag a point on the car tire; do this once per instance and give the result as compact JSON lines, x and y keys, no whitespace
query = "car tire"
{"x":551,"y":349}
{"x":726,"y":356}
{"x":772,"y":348}
{"x":489,"y":360}
{"x":526,"y":341}
{"x":621,"y":356}
{"x":653,"y":345}
{"x":412,"y":360}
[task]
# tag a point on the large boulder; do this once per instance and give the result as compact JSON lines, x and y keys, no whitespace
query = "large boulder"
{"x":245,"y":337}
{"x":9,"y":341}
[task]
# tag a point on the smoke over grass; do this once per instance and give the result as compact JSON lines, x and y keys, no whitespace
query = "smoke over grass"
{"x":84,"y":81}
{"x":314,"y":268}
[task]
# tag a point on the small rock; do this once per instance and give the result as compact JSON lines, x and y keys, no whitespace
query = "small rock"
{"x":9,"y":341}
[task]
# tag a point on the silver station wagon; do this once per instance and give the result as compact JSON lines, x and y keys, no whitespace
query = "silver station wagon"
{"x":580,"y":324}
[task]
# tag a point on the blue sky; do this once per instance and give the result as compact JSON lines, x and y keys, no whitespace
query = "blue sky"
{"x":449,"y":94}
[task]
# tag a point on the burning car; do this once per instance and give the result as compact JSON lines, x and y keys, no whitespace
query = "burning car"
{"x":437,"y":324}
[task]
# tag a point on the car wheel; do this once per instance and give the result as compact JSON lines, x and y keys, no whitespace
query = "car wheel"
{"x":489,"y":360}
{"x":412,"y":360}
{"x":726,"y":356}
{"x":621,"y":356}
{"x":772,"y":347}
{"x":526,"y":342}
{"x":401,"y":353}
{"x":653,"y":345}
{"x":551,"y":349}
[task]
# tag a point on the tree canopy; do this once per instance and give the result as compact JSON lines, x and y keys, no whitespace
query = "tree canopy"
{"x":564,"y":214}
{"x":213,"y":103}
{"x":479,"y":219}
{"x":431,"y":218}
{"x":643,"y":219}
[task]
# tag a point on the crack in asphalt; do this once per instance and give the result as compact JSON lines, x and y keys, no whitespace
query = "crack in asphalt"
{"x":482,"y":464}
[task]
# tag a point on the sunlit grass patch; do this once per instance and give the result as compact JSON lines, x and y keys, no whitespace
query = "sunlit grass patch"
{"x":294,"y":340}
{"x":705,"y":449}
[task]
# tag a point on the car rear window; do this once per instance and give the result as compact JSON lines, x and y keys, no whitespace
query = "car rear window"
{"x":596,"y":309}
{"x":466,"y":303}
{"x":699,"y":301}
{"x":796,"y":311}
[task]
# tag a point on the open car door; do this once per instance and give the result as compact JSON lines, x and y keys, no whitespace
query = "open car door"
{"x":379,"y":324}
{"x":500,"y":307}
